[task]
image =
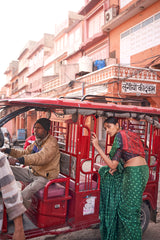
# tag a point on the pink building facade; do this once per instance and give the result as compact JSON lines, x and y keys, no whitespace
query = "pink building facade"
{"x":109,"y":48}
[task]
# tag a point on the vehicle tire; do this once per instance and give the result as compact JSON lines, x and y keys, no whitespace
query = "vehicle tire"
{"x":145,"y":216}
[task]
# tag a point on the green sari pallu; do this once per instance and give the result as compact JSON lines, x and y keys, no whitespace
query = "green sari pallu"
{"x":121,"y":199}
{"x":110,"y":196}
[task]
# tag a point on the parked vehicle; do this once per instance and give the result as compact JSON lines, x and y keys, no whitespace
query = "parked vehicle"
{"x":7,"y":135}
{"x":71,"y":202}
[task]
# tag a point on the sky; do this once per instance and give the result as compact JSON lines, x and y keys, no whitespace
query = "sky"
{"x":24,"y":20}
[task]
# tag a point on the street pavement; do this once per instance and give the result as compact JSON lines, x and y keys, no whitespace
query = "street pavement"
{"x":152,"y":233}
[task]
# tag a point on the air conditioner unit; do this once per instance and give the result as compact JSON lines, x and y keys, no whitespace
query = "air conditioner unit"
{"x":110,"y":14}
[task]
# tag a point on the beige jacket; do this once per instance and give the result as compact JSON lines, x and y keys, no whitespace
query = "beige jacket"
{"x":46,"y":162}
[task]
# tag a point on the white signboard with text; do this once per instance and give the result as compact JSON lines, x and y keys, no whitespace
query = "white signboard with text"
{"x":139,"y":88}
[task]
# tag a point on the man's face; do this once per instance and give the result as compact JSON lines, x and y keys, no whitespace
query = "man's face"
{"x":39,"y":131}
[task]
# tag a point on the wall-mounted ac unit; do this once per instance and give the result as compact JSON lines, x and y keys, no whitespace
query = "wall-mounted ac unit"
{"x":110,"y":14}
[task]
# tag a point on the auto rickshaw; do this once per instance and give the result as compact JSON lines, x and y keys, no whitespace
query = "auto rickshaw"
{"x":71,"y":202}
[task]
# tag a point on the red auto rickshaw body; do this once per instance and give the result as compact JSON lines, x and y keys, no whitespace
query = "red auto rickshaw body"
{"x":71,"y":202}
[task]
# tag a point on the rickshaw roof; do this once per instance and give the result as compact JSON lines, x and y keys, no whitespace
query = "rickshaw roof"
{"x":62,"y":103}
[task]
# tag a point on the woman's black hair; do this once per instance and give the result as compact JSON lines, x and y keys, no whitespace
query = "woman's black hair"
{"x":113,"y":120}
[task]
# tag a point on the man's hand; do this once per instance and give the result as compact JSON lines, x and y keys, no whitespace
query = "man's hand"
{"x":12,"y":161}
{"x":3,"y":150}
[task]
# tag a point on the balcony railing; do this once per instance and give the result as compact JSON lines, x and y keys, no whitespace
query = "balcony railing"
{"x":121,"y":73}
{"x":131,"y":78}
{"x":114,"y":73}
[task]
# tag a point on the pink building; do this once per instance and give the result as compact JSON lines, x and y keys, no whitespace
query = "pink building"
{"x":109,"y":48}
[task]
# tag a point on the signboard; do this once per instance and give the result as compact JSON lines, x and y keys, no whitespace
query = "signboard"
{"x":138,"y":88}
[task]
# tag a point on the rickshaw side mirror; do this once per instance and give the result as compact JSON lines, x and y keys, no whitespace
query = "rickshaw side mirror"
{"x":1,"y":138}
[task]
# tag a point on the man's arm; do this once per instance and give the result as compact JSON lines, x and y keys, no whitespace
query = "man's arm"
{"x":11,"y":196}
{"x":17,"y":153}
{"x":18,"y":229}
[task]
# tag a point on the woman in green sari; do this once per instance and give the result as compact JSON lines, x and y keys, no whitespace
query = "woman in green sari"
{"x":123,"y":181}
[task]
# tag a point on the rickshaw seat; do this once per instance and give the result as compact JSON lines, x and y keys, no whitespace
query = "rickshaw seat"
{"x":55,"y":190}
{"x":49,"y":204}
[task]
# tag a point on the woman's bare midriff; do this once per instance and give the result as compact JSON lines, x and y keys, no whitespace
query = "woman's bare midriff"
{"x":136,"y":161}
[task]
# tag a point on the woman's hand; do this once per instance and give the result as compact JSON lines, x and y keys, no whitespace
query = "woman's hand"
{"x":111,"y":171}
{"x":94,"y":139}
{"x":111,"y":164}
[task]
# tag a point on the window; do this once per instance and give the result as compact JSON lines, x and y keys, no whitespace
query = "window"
{"x":123,"y":3}
{"x":142,"y":36}
{"x":77,"y":35}
{"x":71,"y":39}
{"x":95,"y":24}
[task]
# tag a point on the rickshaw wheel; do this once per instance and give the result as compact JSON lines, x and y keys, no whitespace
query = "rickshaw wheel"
{"x":145,"y":216}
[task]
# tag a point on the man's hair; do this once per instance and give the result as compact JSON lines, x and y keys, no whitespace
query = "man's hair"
{"x":45,"y":123}
{"x":113,"y":120}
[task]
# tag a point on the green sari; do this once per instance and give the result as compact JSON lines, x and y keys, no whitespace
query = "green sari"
{"x":121,"y":199}
{"x":110,"y":197}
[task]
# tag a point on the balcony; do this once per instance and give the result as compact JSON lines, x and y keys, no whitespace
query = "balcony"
{"x":114,"y":80}
{"x":121,"y":73}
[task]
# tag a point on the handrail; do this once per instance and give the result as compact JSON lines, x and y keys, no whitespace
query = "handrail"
{"x":90,"y":172}
{"x":104,"y":98}
{"x":57,"y":180}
